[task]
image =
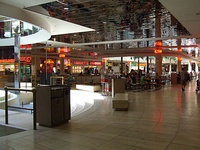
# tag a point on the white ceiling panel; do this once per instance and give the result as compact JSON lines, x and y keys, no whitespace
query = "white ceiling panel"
{"x":25,"y":3}
{"x":187,"y":12}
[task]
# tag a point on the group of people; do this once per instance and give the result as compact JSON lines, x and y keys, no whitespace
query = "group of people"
{"x":144,"y":80}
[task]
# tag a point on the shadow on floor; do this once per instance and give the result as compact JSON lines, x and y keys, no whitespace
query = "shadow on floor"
{"x":7,"y":130}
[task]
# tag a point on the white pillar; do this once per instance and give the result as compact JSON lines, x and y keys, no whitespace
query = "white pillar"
{"x":189,"y":67}
{"x":170,"y":65}
{"x":17,"y":60}
{"x":196,"y":67}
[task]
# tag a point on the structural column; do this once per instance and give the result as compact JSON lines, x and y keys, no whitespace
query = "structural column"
{"x":196,"y":67}
{"x":17,"y":60}
{"x":179,"y":65}
{"x":62,"y":68}
{"x":179,"y":60}
{"x":189,"y":66}
{"x":159,"y":64}
{"x":35,"y":68}
{"x":121,"y":37}
{"x":158,"y":34}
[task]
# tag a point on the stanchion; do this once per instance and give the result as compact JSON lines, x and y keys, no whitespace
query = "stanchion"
{"x":6,"y":105}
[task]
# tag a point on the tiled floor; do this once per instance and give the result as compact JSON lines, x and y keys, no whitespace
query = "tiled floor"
{"x":166,"y":119}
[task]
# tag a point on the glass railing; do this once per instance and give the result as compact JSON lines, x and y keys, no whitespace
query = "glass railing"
{"x":9,"y":27}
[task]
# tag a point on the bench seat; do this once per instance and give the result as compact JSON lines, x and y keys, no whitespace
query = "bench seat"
{"x":91,"y":88}
{"x":120,"y":101}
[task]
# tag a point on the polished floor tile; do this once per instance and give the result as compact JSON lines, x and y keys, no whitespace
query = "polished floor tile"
{"x":165,"y":119}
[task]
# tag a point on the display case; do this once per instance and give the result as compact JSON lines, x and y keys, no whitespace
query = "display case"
{"x":52,"y":105}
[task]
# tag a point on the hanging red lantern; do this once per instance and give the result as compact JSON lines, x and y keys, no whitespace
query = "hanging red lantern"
{"x":62,"y":55}
{"x":158,"y":51}
{"x":158,"y":45}
{"x":179,"y":58}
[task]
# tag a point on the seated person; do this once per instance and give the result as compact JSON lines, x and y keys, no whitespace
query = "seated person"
{"x":142,"y":81}
{"x":148,"y":80}
{"x":158,"y":80}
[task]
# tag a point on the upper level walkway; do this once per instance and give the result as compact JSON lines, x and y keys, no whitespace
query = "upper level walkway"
{"x":165,"y":119}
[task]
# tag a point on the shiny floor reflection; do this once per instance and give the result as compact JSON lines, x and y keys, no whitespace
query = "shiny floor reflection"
{"x":166,"y":119}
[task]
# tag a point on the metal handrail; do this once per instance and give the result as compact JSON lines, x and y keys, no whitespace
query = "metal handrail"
{"x":33,"y":90}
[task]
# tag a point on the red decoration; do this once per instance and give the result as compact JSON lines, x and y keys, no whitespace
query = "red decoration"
{"x":158,"y":51}
{"x":62,"y":55}
{"x":158,"y":44}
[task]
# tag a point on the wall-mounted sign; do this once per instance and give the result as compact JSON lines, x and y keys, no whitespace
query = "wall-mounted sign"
{"x":7,"y":60}
{"x":133,"y":64}
{"x":23,"y":59}
{"x":26,"y":46}
{"x":94,"y":63}
{"x":80,"y":63}
{"x":109,"y":64}
{"x":67,"y":62}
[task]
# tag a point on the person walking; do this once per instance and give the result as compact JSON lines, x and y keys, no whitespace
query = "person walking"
{"x":183,"y":75}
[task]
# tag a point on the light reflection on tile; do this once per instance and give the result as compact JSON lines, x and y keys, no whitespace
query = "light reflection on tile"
{"x":164,"y":119}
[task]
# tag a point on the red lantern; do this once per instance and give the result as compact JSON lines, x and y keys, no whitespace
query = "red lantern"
{"x":62,"y":55}
{"x":179,"y":58}
{"x":179,"y":50}
{"x":158,"y":51}
{"x":158,"y":44}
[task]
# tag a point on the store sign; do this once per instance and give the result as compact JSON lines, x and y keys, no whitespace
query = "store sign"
{"x":94,"y":63}
{"x":23,"y":59}
{"x":26,"y":46}
{"x":67,"y":62}
{"x":133,"y":64}
{"x":80,"y":63}
{"x":109,"y":64}
{"x":7,"y":60}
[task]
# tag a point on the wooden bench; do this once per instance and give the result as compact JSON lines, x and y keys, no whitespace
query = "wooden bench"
{"x":87,"y":87}
{"x":120,"y":101}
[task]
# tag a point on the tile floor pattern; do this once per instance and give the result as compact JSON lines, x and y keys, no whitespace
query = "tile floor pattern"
{"x":166,"y":119}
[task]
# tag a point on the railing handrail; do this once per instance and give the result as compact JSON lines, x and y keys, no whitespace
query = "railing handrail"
{"x":33,"y":90}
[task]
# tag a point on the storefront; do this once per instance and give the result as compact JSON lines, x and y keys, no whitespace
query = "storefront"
{"x":86,"y":67}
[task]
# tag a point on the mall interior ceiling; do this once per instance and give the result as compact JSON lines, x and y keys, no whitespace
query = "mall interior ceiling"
{"x":114,"y":19}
